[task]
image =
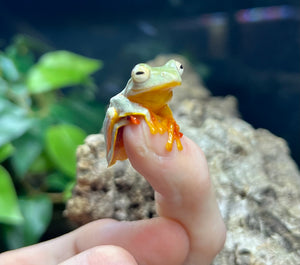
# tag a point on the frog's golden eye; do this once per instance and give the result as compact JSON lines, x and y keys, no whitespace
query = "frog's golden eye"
{"x":140,"y":73}
{"x":179,"y":67}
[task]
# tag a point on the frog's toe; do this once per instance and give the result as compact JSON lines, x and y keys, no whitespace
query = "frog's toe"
{"x":173,"y":135}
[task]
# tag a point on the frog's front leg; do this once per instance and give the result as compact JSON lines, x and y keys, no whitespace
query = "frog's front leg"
{"x":133,"y":119}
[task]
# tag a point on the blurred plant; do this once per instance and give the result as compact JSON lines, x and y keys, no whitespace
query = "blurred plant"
{"x":40,"y":127}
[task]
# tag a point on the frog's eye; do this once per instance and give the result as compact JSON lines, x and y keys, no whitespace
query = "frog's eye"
{"x":140,"y":73}
{"x":179,"y":67}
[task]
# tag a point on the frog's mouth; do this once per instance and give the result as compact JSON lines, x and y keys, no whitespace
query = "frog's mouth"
{"x":155,"y":97}
{"x":167,"y":86}
{"x":154,"y":89}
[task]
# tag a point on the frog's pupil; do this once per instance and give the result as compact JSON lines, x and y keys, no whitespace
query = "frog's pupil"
{"x":181,"y":66}
{"x":139,"y":73}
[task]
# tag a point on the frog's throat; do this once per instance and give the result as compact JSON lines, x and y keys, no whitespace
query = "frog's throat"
{"x":156,"y":97}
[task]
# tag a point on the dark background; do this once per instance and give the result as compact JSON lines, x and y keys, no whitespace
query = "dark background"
{"x":253,"y":54}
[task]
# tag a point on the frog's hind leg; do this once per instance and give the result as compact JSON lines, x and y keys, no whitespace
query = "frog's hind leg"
{"x":117,"y":150}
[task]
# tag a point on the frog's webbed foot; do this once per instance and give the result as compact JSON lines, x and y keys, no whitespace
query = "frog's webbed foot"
{"x":173,"y":135}
{"x":161,"y":125}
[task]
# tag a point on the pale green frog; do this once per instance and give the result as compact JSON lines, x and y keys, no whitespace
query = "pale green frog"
{"x":146,"y":95}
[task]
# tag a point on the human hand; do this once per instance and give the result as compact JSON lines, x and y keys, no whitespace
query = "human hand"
{"x":189,"y":229}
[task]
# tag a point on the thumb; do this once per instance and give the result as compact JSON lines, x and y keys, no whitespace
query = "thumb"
{"x":102,"y":255}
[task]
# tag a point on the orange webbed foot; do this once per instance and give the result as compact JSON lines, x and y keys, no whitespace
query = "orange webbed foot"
{"x":161,"y":125}
{"x":174,"y":134}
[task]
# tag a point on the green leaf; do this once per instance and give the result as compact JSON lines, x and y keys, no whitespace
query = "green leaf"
{"x":61,"y":143}
{"x":60,"y":69}
{"x":68,"y":190}
{"x":57,"y":182}
{"x":14,"y":121}
{"x":22,"y":57}
{"x":37,"y":214}
{"x":8,"y":69}
{"x":3,"y":86}
{"x":20,"y":94}
{"x":27,"y":149}
{"x":41,"y":164}
{"x":6,"y":151}
{"x":9,"y":208}
{"x":87,"y":115}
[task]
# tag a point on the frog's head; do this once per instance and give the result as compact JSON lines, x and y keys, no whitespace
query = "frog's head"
{"x":152,"y":86}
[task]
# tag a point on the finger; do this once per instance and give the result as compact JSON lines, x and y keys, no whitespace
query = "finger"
{"x":102,"y":255}
{"x":148,"y":241}
{"x":183,"y":188}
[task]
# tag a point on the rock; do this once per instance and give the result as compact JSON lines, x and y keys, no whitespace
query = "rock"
{"x":257,"y":183}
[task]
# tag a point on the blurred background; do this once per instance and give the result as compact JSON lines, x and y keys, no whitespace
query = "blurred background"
{"x":249,"y":49}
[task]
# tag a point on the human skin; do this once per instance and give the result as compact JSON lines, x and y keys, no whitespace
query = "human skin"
{"x":188,"y":231}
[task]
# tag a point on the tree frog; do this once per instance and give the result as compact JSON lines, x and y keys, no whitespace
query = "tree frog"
{"x":146,"y":95}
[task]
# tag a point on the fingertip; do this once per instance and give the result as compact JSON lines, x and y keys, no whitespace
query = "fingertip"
{"x":139,"y":141}
{"x":148,"y":155}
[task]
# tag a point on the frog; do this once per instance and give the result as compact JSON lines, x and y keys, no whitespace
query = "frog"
{"x":146,"y":96}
